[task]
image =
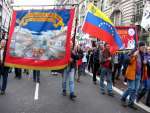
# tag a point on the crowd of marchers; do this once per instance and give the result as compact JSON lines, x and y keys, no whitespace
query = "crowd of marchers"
{"x":133,"y":66}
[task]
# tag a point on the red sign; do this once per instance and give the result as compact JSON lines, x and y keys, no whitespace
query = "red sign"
{"x":128,"y":35}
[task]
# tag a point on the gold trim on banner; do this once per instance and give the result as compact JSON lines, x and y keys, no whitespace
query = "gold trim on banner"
{"x":35,"y":68}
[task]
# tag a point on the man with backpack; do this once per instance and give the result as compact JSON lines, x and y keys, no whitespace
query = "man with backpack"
{"x":133,"y":74}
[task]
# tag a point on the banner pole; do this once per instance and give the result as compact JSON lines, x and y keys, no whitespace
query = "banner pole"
{"x":76,"y":24}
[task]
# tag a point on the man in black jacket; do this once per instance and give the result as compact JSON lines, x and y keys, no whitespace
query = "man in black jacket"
{"x":96,"y":63}
{"x":3,"y":69}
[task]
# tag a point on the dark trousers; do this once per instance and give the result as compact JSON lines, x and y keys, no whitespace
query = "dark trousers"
{"x":3,"y":77}
{"x":114,"y":73}
{"x":36,"y":75}
{"x":90,"y":66}
{"x":148,"y":99}
{"x":95,"y":70}
{"x":18,"y":73}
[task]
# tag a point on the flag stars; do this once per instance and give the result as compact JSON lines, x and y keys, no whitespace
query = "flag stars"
{"x":107,"y":26}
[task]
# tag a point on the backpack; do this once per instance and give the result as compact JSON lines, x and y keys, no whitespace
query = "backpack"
{"x":96,"y":56}
{"x":126,"y":59}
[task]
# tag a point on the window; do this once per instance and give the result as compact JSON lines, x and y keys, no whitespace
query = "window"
{"x":139,"y":10}
{"x":116,"y":17}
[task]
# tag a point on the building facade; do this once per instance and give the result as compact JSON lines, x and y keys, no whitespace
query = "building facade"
{"x":126,"y":13}
{"x":121,"y":12}
{"x":6,"y":11}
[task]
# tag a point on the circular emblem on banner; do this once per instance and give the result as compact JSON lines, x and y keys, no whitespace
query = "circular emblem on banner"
{"x":131,"y":32}
{"x":131,"y":44}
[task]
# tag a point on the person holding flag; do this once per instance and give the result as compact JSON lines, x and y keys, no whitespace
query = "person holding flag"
{"x":99,"y":26}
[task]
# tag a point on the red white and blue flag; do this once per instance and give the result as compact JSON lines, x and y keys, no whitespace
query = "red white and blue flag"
{"x":98,"y":25}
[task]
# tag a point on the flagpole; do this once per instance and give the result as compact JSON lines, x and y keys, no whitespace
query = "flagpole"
{"x":76,"y":24}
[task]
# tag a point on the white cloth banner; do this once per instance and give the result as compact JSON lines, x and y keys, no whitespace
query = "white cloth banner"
{"x":146,"y":17}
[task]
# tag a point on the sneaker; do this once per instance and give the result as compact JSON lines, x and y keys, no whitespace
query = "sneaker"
{"x":64,"y":93}
{"x":137,"y":100}
{"x":125,"y":83}
{"x":38,"y":81}
{"x":2,"y":93}
{"x":111,"y":94}
{"x":103,"y":93}
{"x":72,"y":97}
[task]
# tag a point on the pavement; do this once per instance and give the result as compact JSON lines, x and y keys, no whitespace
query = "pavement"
{"x":25,"y":96}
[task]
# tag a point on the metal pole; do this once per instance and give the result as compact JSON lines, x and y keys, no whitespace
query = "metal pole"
{"x":76,"y":24}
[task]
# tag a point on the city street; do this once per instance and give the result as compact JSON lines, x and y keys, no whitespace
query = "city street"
{"x":107,"y":40}
{"x":24,"y":96}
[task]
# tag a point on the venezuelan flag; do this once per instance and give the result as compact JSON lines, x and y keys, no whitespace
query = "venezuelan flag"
{"x":98,"y":25}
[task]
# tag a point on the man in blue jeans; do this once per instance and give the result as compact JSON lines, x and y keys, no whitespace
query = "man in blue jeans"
{"x":106,"y":71}
{"x":69,"y":73}
{"x":133,"y":74}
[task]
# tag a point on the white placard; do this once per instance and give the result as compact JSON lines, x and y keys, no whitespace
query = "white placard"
{"x":146,"y":17}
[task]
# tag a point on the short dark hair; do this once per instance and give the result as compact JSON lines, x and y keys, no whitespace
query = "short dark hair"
{"x":141,"y":43}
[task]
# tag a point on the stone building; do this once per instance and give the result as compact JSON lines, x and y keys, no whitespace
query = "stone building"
{"x":5,"y":15}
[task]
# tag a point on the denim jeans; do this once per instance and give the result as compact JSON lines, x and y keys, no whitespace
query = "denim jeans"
{"x":108,"y":74}
{"x":132,"y":90}
{"x":68,"y":74}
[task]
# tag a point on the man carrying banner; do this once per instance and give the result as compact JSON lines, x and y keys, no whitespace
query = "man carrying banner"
{"x":98,"y":25}
{"x":69,"y":73}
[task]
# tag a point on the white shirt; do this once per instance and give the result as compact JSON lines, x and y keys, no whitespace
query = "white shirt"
{"x":84,"y":59}
{"x":2,"y":51}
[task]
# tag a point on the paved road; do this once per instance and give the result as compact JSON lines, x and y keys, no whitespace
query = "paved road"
{"x":20,"y":97}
